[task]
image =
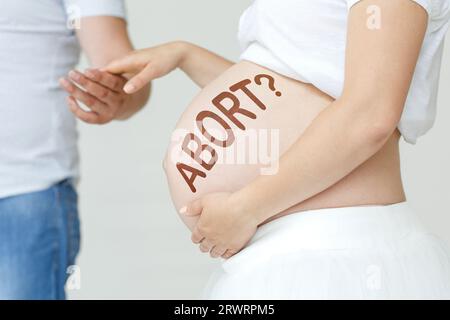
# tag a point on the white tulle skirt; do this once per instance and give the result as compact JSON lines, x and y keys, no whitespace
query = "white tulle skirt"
{"x":364,"y":252}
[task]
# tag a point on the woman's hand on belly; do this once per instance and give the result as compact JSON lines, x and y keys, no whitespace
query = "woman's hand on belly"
{"x":222,"y":229}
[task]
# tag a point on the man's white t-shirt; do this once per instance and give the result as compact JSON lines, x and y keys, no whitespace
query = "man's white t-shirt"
{"x":306,"y":40}
{"x":38,"y":137}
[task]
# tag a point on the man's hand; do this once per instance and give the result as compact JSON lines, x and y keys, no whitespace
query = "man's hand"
{"x":100,"y":91}
{"x":223,"y":229}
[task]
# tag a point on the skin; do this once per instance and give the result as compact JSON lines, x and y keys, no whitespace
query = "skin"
{"x":364,"y":121}
{"x":201,"y":65}
{"x":103,"y":39}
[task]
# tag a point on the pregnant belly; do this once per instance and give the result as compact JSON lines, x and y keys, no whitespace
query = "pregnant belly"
{"x":238,"y":127}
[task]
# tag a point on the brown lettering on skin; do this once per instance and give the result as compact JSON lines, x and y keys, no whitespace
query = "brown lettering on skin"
{"x":189,"y":173}
{"x":184,"y":169}
{"x":242,"y":85}
{"x":236,"y":108}
{"x":200,"y":148}
{"x":221,"y":143}
{"x":271,"y":83}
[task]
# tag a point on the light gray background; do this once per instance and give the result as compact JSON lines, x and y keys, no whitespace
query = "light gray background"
{"x":134,"y":245}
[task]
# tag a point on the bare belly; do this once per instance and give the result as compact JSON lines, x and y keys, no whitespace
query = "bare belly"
{"x":238,"y":127}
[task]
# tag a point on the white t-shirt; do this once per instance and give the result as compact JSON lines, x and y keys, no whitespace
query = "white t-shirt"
{"x":38,"y":137}
{"x":306,"y":40}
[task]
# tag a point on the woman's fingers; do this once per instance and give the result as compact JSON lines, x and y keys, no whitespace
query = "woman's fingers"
{"x":127,"y":64}
{"x":111,"y":81}
{"x":197,"y":237}
{"x":141,"y":79}
{"x":192,"y":209}
{"x":228,"y":254}
{"x":135,"y":63}
{"x":206,"y":246}
{"x":89,"y":100}
{"x":217,"y":252}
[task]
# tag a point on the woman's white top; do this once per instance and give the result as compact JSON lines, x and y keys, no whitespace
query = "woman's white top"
{"x":306,"y":40}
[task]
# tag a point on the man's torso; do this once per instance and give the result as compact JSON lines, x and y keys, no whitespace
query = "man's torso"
{"x":37,"y":131}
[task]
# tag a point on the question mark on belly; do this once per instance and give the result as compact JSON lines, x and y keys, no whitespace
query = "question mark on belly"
{"x":271,"y":83}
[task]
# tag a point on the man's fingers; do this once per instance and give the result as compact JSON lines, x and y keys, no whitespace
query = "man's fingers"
{"x":102,"y":93}
{"x":89,"y":100}
{"x":141,"y":79}
{"x":88,"y":117}
{"x":111,"y":81}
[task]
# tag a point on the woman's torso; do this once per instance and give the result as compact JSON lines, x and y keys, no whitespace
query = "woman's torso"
{"x":264,"y":125}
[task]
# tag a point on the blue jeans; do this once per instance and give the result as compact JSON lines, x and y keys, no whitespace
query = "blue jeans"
{"x":39,"y":240}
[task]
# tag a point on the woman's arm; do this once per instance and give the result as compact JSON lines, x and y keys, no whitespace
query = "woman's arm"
{"x":201,"y":65}
{"x":379,"y":67}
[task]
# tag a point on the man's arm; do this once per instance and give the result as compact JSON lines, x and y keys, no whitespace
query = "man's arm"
{"x":103,"y":39}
